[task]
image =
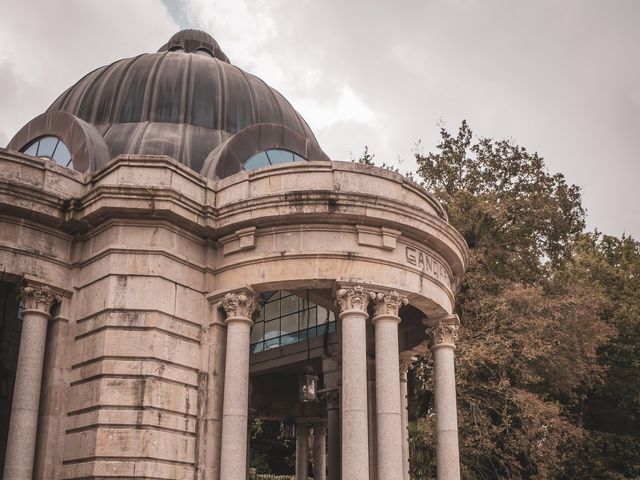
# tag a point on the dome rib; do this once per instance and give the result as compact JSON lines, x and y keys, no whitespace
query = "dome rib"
{"x":152,"y":83}
{"x":255,"y":107}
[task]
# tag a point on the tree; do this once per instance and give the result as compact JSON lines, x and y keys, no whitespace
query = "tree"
{"x":528,"y":352}
{"x":611,"y":411}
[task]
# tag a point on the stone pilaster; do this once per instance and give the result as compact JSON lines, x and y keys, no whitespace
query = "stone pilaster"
{"x":353,"y":302}
{"x":443,"y":334}
{"x":388,"y":408}
{"x":23,"y":426}
{"x":239,"y":307}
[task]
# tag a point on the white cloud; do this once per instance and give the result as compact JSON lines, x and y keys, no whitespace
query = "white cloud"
{"x":559,"y":77}
{"x":48,"y":45}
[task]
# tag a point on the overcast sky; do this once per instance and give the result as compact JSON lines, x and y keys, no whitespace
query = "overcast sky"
{"x":559,"y":77}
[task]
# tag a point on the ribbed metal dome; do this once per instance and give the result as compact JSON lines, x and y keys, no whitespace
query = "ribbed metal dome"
{"x":184,"y":101}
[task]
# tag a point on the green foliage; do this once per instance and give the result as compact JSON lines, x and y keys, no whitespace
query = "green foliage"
{"x":366,"y":158}
{"x":422,"y":448}
{"x":271,"y":451}
{"x":548,"y":358}
{"x":611,"y":411}
{"x":505,"y":204}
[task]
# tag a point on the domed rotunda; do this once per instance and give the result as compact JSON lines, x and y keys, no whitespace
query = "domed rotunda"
{"x":179,"y":257}
{"x":186,"y":101}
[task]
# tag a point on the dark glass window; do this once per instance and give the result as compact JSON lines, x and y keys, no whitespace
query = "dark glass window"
{"x":286,"y":318}
{"x":272,"y":156}
{"x":280,"y":156}
{"x":204,"y":51}
{"x":50,"y":147}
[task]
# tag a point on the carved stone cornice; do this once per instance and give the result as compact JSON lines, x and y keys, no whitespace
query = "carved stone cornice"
{"x":353,"y":298}
{"x":388,"y":303}
{"x":239,"y":305}
{"x":443,"y":334}
{"x":39,"y":298}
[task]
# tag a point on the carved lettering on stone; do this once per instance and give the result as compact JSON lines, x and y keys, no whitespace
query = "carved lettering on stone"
{"x":427,"y":264}
{"x":354,"y":298}
{"x":239,"y":305}
{"x":443,"y":334}
{"x":388,"y":303}
{"x":38,"y":298}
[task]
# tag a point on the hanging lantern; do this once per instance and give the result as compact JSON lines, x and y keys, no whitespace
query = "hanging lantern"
{"x":308,"y":385}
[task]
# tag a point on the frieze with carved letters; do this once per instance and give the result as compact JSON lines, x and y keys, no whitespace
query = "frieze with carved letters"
{"x":427,"y":263}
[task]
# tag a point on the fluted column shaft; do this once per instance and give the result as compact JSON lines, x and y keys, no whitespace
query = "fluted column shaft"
{"x":355,"y":432}
{"x":319,"y":452}
{"x":388,"y":414}
{"x":302,"y":443}
{"x":235,"y":410}
{"x":21,"y":442}
{"x":447,"y":451}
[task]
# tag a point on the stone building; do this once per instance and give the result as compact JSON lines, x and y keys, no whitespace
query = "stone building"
{"x":178,"y":254}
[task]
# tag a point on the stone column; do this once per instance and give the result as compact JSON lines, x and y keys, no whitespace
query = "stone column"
{"x":355,"y":433}
{"x":405,"y":365}
{"x":333,"y":434}
{"x":372,"y":419}
{"x":319,"y":451}
{"x":233,"y":457}
{"x":23,"y":426}
{"x":388,"y":414}
{"x":302,"y":443}
{"x":443,"y":334}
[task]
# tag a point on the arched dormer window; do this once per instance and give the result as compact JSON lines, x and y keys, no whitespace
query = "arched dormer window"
{"x":204,"y":51}
{"x":50,"y":147}
{"x":272,"y":156}
{"x":286,"y":318}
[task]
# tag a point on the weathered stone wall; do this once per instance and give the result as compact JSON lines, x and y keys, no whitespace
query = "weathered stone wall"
{"x":139,"y":307}
{"x":141,"y":250}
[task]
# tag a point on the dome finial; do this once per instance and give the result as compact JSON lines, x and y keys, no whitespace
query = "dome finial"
{"x":193,"y":41}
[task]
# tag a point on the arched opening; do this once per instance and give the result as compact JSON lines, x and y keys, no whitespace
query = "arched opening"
{"x":293,"y":334}
{"x":272,"y":156}
{"x":10,"y":329}
{"x":51,"y":147}
{"x":286,"y":318}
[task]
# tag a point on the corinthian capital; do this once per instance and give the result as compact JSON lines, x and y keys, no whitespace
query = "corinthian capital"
{"x":443,"y":334}
{"x":332,"y":397}
{"x":388,"y":303}
{"x":240,"y":304}
{"x":38,"y":298}
{"x":354,"y":298}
